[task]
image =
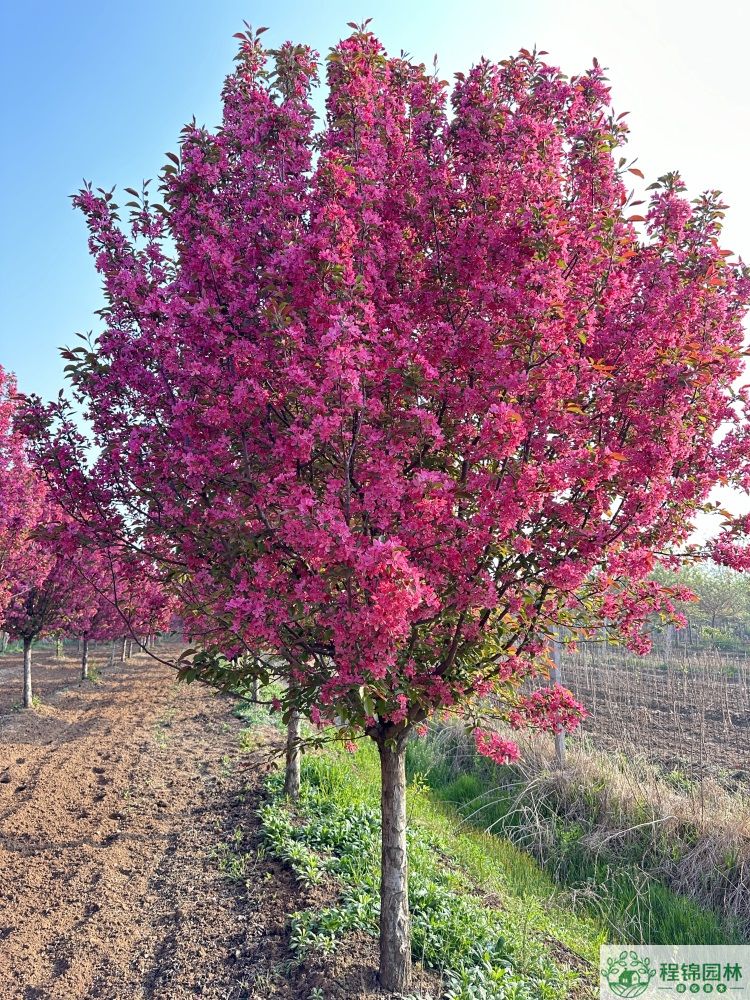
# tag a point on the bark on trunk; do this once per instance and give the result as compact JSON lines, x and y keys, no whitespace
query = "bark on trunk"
{"x":255,"y":690}
{"x":112,"y":653}
{"x":292,"y":775}
{"x":85,"y":659}
{"x":27,"y":693}
{"x":395,"y":929}
{"x":123,"y":651}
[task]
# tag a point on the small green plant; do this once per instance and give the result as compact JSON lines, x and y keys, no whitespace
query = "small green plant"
{"x":679,"y":780}
{"x":161,"y":735}
{"x":334,"y":832}
{"x":17,"y":706}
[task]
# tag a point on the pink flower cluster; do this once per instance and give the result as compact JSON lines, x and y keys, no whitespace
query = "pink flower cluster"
{"x":548,"y":709}
{"x":490,"y":744}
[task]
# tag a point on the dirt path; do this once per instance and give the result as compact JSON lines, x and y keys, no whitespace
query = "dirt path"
{"x":113,"y":799}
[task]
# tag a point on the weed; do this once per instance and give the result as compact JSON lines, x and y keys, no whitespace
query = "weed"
{"x":610,"y":837}
{"x":335,"y":831}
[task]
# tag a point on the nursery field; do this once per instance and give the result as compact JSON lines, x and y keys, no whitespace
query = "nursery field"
{"x":691,"y":717}
{"x":112,"y":798}
{"x":149,"y":852}
{"x":54,"y":671}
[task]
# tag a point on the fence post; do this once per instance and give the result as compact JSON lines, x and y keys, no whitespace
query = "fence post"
{"x":668,"y":640}
{"x":556,"y":678}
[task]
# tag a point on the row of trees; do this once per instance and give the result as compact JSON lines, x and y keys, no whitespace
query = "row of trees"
{"x":53,"y":581}
{"x":721,"y":601}
{"x":390,"y":398}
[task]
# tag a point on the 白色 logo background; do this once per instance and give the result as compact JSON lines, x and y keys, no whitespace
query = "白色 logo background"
{"x":643,"y":972}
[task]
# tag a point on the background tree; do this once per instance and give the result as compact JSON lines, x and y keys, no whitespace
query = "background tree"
{"x":50,"y":594}
{"x":99,"y":618}
{"x":21,"y":495}
{"x":719,"y":598}
{"x":399,"y":413}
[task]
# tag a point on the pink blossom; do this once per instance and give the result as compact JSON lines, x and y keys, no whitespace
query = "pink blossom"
{"x":490,"y":744}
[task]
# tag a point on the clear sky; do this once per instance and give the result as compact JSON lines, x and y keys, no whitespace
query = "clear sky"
{"x":100,"y":90}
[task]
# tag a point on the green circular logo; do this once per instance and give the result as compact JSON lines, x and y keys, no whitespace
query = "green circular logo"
{"x":628,"y":975}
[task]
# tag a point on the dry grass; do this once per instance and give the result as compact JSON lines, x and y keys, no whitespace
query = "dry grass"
{"x":696,"y":838}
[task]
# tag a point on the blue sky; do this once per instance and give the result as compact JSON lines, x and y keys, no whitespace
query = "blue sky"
{"x":100,"y":90}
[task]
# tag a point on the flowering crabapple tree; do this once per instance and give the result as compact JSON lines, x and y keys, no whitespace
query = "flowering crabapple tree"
{"x":399,"y":411}
{"x":21,"y":495}
{"x":101,"y":617}
{"x":139,"y":598}
{"x":50,"y":593}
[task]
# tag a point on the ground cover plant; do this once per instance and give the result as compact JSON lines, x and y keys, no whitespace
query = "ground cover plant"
{"x":332,"y":831}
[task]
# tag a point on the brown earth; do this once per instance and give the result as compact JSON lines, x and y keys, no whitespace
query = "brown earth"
{"x":691,"y":717}
{"x":115,"y":800}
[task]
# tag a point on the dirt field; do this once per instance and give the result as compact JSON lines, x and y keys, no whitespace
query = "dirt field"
{"x":688,"y":717}
{"x":90,"y":807}
{"x":114,"y":797}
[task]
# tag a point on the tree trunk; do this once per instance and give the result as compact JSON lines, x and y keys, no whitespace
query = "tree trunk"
{"x":27,"y":694}
{"x":85,"y":659}
{"x":395,"y":930}
{"x":58,"y":650}
{"x":293,"y":755}
{"x":255,"y":690}
{"x":112,"y":653}
{"x":123,"y":650}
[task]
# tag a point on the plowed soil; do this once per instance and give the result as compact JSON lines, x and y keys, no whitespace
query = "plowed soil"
{"x":107,"y":792}
{"x":117,"y":798}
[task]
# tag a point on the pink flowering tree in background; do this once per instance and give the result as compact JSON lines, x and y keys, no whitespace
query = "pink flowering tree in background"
{"x":101,"y":617}
{"x":126,"y":600}
{"x":137,"y":595}
{"x":22,"y":495}
{"x":400,"y":412}
{"x":50,"y":593}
